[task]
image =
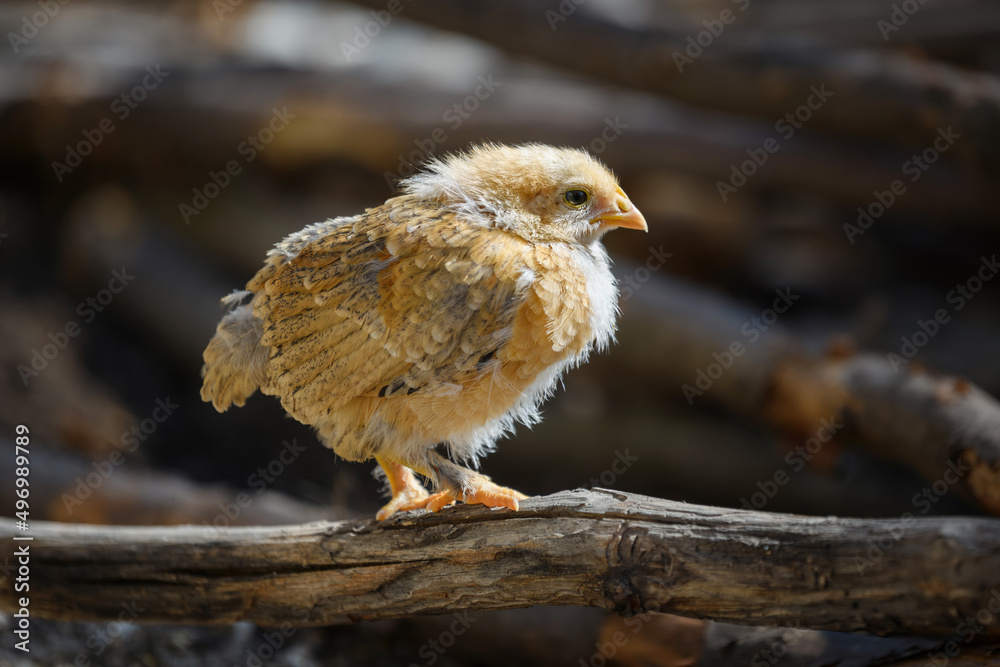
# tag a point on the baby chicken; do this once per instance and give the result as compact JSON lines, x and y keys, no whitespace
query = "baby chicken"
{"x":442,"y":317}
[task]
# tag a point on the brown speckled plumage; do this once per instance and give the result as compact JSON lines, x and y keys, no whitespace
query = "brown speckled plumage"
{"x":437,"y":317}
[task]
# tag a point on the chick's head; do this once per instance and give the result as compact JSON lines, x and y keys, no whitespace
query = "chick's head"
{"x":540,"y":193}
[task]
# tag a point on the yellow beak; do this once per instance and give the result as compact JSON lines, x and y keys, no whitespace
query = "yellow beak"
{"x":627,"y":216}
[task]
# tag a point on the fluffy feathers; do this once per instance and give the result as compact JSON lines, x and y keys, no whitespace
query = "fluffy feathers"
{"x":445,"y":315}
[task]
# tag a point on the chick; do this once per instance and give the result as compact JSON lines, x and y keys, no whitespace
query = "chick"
{"x":442,"y":317}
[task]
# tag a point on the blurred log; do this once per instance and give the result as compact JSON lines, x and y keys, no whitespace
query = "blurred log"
{"x":72,"y":489}
{"x":733,"y":646}
{"x":43,"y":382}
{"x":174,"y":293}
{"x":607,"y":414}
{"x":954,"y":30}
{"x":654,"y":640}
{"x":670,"y":329}
{"x":943,"y":427}
{"x":542,"y":636}
{"x":369,"y":126}
{"x":875,"y":92}
{"x":579,"y":548}
{"x":665,"y":640}
{"x":677,"y":334}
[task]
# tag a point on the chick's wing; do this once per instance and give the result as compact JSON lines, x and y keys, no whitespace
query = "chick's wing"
{"x":398,"y":300}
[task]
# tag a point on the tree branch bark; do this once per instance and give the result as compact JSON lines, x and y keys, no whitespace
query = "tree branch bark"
{"x":582,"y":548}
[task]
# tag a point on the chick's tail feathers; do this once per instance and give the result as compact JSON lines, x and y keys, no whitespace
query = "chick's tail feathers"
{"x":235,"y":359}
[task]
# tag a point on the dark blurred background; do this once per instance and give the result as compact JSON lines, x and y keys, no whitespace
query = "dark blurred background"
{"x":152,"y":152}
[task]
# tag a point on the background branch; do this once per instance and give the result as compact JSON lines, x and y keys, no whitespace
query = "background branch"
{"x":761,"y":75}
{"x":902,"y":413}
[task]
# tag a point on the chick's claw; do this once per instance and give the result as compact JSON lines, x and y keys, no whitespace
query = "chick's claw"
{"x":483,"y":493}
{"x":440,"y":500}
{"x":407,"y":492}
{"x":410,"y":498}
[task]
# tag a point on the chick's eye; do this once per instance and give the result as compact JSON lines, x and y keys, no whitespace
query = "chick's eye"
{"x":576,"y":197}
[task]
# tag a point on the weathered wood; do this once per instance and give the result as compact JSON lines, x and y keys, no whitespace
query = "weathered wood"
{"x":589,"y":548}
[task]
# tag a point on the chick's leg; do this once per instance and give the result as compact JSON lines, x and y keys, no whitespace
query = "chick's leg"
{"x":467,"y":486}
{"x":407,"y":492}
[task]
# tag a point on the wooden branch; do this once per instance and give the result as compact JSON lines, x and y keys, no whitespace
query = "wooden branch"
{"x":583,"y":548}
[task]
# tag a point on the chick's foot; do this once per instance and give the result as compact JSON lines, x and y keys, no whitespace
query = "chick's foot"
{"x":482,"y":492}
{"x":407,"y":492}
